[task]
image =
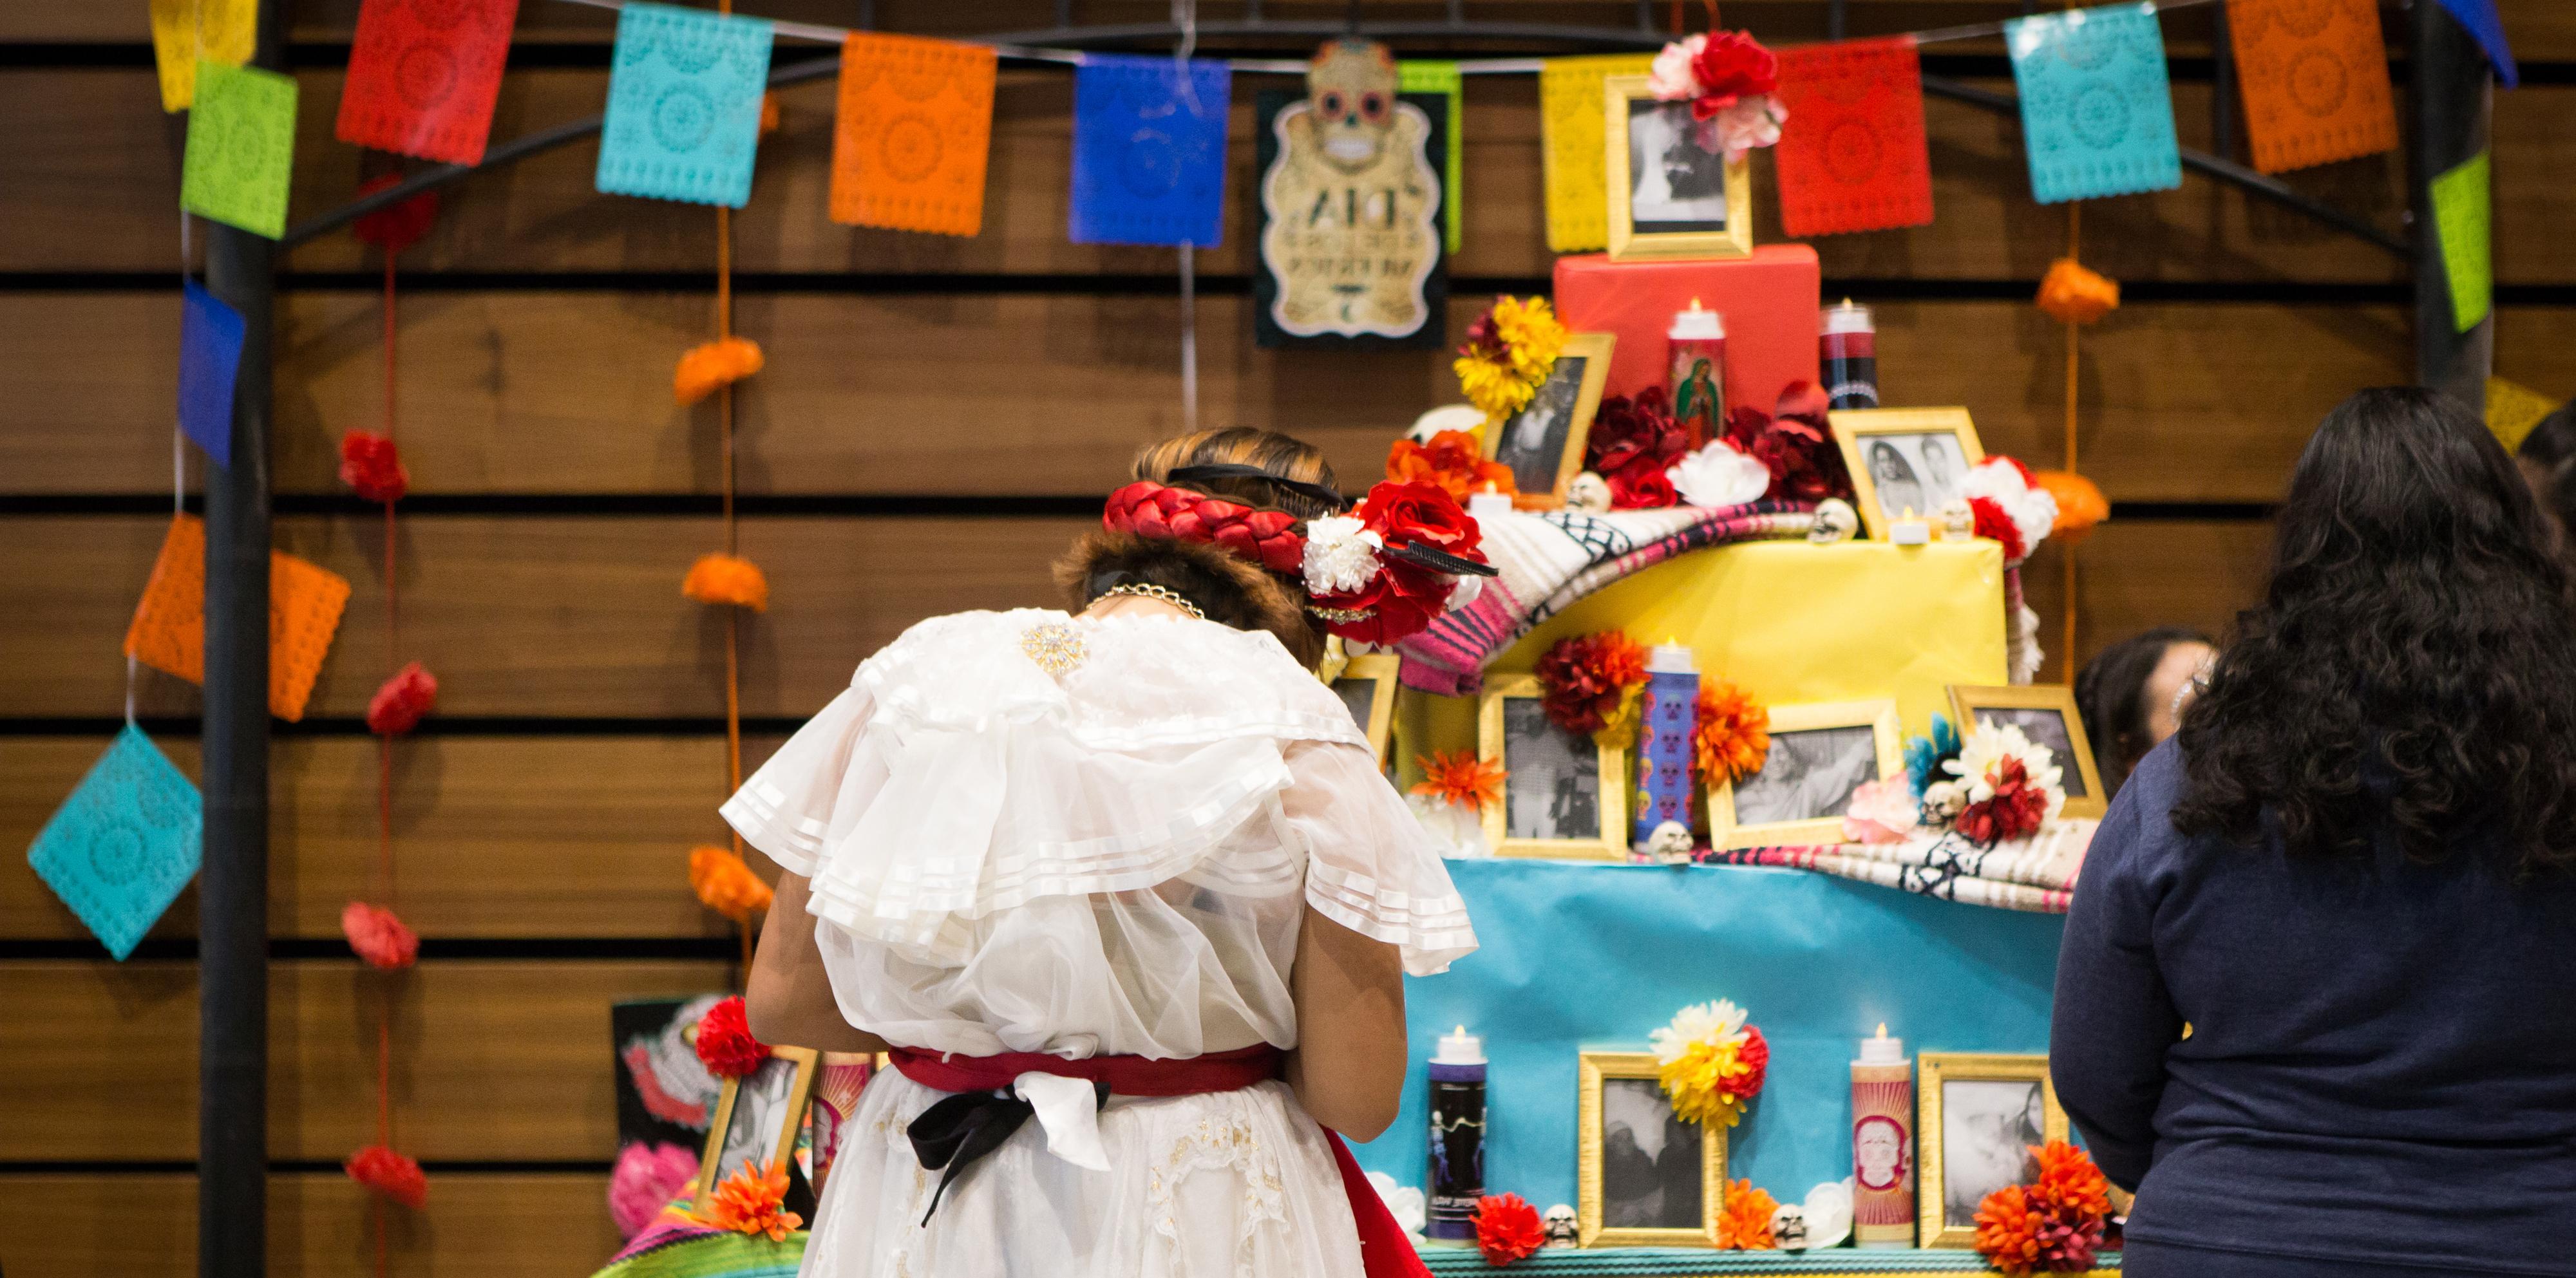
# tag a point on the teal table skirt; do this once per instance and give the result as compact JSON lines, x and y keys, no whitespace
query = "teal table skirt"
{"x":1669,"y":1262}
{"x":1595,"y":956}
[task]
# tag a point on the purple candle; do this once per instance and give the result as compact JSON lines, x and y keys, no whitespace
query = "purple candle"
{"x":1669,"y":713}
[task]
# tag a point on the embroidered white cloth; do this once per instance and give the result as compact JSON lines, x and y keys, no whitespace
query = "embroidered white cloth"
{"x":1029,"y":832}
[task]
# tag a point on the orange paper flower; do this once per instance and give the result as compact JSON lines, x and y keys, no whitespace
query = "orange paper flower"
{"x":1733,"y":737}
{"x":2080,"y":504}
{"x":2072,"y":294}
{"x":1460,"y":778}
{"x":718,"y":363}
{"x":727,"y":579}
{"x":1744,"y":1222}
{"x":750,"y":1202}
{"x":725,"y":884}
{"x":1453,"y":460}
{"x":2068,"y":1178}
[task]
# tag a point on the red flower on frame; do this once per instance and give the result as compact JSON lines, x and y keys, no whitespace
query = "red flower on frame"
{"x":2015,"y":810}
{"x":1731,"y":65}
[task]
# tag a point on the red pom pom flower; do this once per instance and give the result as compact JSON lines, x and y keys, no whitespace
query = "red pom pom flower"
{"x":1587,"y":678}
{"x":394,"y":1176}
{"x":1994,"y":524}
{"x":401,"y":702}
{"x":1507,"y":1228}
{"x":2016,"y":811}
{"x":725,"y":1043}
{"x":370,"y":464}
{"x":378,"y":937}
{"x":1632,"y":443}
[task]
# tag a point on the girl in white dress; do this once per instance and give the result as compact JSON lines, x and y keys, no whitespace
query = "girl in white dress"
{"x":1066,"y":866}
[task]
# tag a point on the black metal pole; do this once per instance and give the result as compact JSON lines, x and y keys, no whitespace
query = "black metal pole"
{"x":232,"y":889}
{"x":2449,"y":97}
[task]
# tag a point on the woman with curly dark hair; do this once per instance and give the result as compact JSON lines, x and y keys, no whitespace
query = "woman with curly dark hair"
{"x":2350,"y":878}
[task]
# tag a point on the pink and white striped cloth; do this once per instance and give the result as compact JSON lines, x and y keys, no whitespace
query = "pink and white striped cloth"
{"x":2036,"y":874}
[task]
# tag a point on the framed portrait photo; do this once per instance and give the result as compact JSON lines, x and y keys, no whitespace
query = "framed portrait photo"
{"x":1904,"y":459}
{"x":757,"y":1118}
{"x":1644,"y":1177}
{"x":1978,"y":1115}
{"x":1564,"y":794}
{"x":1820,"y":753}
{"x":1543,"y":443}
{"x":1366,"y":686}
{"x":1670,"y":197}
{"x":2045,"y":713}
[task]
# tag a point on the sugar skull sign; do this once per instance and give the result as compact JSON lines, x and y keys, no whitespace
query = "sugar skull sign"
{"x":1350,"y":202}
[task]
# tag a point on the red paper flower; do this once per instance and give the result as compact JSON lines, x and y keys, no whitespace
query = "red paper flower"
{"x":725,"y":1043}
{"x":1507,"y":1228}
{"x":1636,"y":432}
{"x":1451,"y":461}
{"x":2015,"y":811}
{"x":370,"y":464}
{"x":1993,"y":523}
{"x":1585,"y":677}
{"x":1755,"y":1055}
{"x":378,"y":937}
{"x":1794,"y":443}
{"x":393,"y":1175}
{"x":401,"y":701}
{"x":397,"y":226}
{"x":1642,"y":487}
{"x":1731,"y":65}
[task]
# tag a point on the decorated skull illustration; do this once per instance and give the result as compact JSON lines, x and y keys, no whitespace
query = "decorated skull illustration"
{"x":1352,"y":84}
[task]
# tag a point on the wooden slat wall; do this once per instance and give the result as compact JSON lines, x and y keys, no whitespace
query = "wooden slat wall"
{"x":934,"y":413}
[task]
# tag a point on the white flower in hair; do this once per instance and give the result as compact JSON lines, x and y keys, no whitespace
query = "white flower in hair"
{"x":1719,"y":475}
{"x":1341,"y":555}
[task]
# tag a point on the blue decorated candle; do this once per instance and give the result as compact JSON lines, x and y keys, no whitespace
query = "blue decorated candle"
{"x":1457,"y":1136}
{"x":1667,"y":716}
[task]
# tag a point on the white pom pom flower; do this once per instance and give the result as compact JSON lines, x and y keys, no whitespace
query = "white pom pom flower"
{"x":1983,"y":753}
{"x":1341,"y":555}
{"x":2031,"y":508}
{"x":1712,"y":1023}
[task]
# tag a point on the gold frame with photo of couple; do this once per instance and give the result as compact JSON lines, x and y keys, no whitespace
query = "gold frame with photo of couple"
{"x":1610,"y":843}
{"x":1886,"y":734}
{"x":1620,"y":96}
{"x":1853,"y":427}
{"x":1598,"y":1068}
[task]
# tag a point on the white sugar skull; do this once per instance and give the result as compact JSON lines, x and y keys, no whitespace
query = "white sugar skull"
{"x":1670,"y":843}
{"x":1958,"y":520}
{"x":1562,"y":1231}
{"x":1789,"y":1227}
{"x":1589,"y":494}
{"x":1835,"y":521}
{"x":1352,"y":85}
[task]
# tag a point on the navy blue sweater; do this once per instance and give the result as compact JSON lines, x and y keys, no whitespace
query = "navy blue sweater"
{"x":2382,"y":1064}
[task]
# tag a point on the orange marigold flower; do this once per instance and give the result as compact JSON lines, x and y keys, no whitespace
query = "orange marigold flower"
{"x":1733,"y":737}
{"x":718,"y":363}
{"x":750,"y":1202}
{"x":2007,"y":1230}
{"x":1453,"y":460}
{"x":727,"y":579}
{"x":725,"y":884}
{"x":2071,"y":294}
{"x":1460,"y":778}
{"x":2080,"y":503}
{"x":1744,"y":1221}
{"x":2068,"y":1179}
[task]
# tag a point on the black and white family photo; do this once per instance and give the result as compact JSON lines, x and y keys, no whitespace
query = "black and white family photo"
{"x":2048,"y":728}
{"x":1809,"y":775}
{"x":1552,"y":786}
{"x":1533,"y":443}
{"x":1652,"y":1175}
{"x":762,"y":1103}
{"x":1988,"y":1127}
{"x":1674,"y":184}
{"x":1916,"y":472}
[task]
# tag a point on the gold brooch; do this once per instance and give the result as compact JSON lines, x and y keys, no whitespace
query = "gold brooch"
{"x":1055,"y":646}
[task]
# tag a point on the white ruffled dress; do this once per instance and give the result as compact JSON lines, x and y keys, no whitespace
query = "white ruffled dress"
{"x":1028,"y":832}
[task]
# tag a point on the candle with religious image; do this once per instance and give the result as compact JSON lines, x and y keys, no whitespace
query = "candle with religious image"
{"x":1882,"y":1144}
{"x":1457,"y":1135}
{"x":1848,"y":353}
{"x":1666,"y":717}
{"x":1698,"y":371}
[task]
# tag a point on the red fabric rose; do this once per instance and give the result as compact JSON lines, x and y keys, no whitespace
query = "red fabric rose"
{"x":1732,"y":65}
{"x":393,"y":1175}
{"x":2014,"y":811}
{"x":725,"y":1043}
{"x":1507,"y":1228}
{"x":370,"y":464}
{"x":401,"y":701}
{"x":1634,"y":432}
{"x":1993,"y":523}
{"x":1642,"y":486}
{"x":1794,"y":444}
{"x":1419,"y":513}
{"x":376,"y":936}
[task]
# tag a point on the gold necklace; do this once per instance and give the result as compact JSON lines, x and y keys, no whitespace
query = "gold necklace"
{"x":1148,"y":590}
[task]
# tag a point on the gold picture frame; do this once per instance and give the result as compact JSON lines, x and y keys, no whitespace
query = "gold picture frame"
{"x":1883,"y":432}
{"x":1512,"y":703}
{"x":1593,"y":1190}
{"x":1937,"y":1224}
{"x":2018,"y":705}
{"x":785,"y":1082}
{"x":1625,"y":98}
{"x":1371,"y":677}
{"x":1573,"y":389}
{"x":1728,"y":825}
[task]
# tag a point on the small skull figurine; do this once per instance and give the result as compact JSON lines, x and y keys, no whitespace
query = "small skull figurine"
{"x":1670,"y":844}
{"x":1835,"y":521}
{"x":1789,"y":1227}
{"x":1561,"y":1229}
{"x":1958,"y":520}
{"x":1589,"y":493}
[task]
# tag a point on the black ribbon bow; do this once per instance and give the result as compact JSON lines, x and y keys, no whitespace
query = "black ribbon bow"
{"x":954,"y":1132}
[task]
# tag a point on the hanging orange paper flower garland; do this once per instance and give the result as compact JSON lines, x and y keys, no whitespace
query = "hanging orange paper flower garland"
{"x":2073,"y":293}
{"x":727,"y":579}
{"x":708,"y":368}
{"x":725,"y":883}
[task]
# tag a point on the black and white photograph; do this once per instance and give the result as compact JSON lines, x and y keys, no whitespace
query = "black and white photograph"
{"x":1917,"y":473}
{"x":2047,"y":728}
{"x":1534,"y":442}
{"x":1652,"y":1175}
{"x":1988,"y":1127}
{"x":1359,"y":696}
{"x":1675,"y":186}
{"x":1553,"y":787}
{"x":760,"y":1115}
{"x":1808,"y":776}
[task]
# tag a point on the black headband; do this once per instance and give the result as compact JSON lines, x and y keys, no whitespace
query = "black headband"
{"x":1230,"y":470}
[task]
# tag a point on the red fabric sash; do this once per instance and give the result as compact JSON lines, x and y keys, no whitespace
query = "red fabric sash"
{"x":1384,"y":1250}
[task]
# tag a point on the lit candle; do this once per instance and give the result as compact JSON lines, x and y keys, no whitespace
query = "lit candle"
{"x":1666,"y":717}
{"x":1488,"y":504}
{"x":1882,"y":1144}
{"x":1457,"y":1135}
{"x":1910,"y":529}
{"x":1849,"y":354}
{"x":1698,"y":371}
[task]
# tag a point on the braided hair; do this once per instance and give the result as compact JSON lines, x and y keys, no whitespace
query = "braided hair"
{"x":1270,"y":475}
